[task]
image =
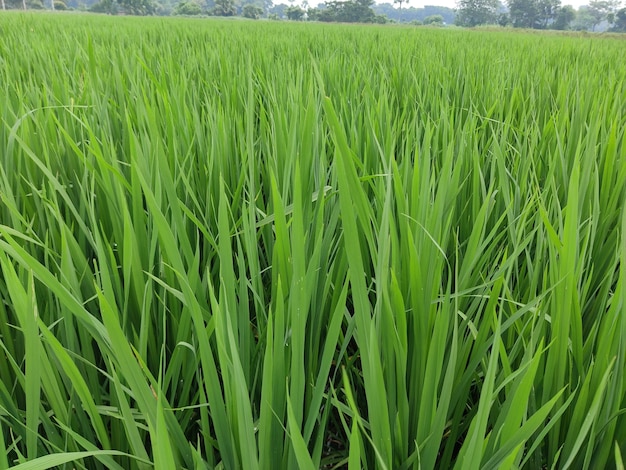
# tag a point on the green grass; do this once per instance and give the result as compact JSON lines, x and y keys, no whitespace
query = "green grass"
{"x":262,"y":245}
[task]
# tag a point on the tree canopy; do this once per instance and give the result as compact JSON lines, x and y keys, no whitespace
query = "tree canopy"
{"x":538,"y":14}
{"x":476,"y":12}
{"x":434,"y":20}
{"x":602,"y":10}
{"x":620,"y":21}
{"x":349,"y":11}
{"x":564,"y":18}
{"x":599,"y":15}
{"x":410,"y":14}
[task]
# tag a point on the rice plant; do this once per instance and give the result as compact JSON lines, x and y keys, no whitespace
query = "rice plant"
{"x":236,"y":245}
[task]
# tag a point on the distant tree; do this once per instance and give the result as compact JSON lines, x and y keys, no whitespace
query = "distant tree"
{"x":548,"y":11}
{"x":601,"y":9}
{"x":409,"y":14}
{"x":584,"y":20}
{"x":59,"y":5}
{"x":224,"y":8}
{"x":129,"y":7}
{"x":448,"y":13}
{"x":349,"y":11}
{"x":360,"y":11}
{"x":15,"y":4}
{"x":163,"y":9}
{"x":258,"y":4}
{"x":252,"y":11}
{"x":278,"y":10}
{"x":564,"y":18}
{"x":313,"y":14}
{"x":538,"y":14}
{"x":104,"y":6}
{"x":294,"y":13}
{"x":523,"y":13}
{"x":503,"y":19}
{"x":188,"y":8}
{"x":26,"y":4}
{"x":434,"y":20}
{"x":137,"y":7}
{"x":476,"y":12}
{"x":619,"y":26}
{"x":399,"y":2}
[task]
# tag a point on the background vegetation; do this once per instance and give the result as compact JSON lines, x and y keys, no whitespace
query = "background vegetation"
{"x":598,"y":15}
{"x":247,"y":245}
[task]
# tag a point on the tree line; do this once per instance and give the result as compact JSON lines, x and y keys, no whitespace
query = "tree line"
{"x":345,"y":11}
{"x":542,"y":14}
{"x":605,"y":15}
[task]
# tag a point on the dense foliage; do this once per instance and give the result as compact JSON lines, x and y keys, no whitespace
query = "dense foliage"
{"x":599,"y":15}
{"x":476,"y":12}
{"x":541,"y":14}
{"x":280,"y":245}
{"x":410,"y":13}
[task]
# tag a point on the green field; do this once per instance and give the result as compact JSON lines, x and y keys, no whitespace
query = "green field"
{"x":228,"y":244}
